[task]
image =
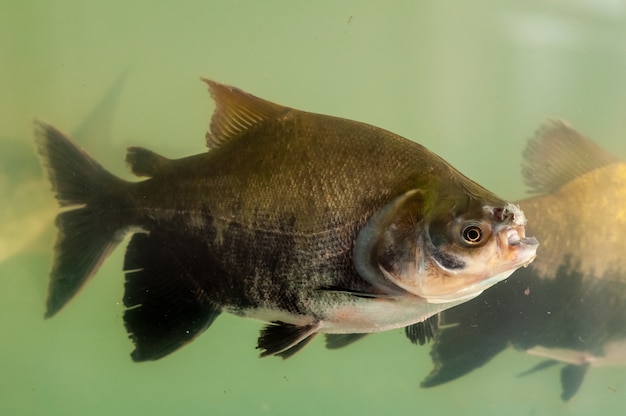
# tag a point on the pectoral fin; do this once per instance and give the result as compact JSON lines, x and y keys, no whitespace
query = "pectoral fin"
{"x":357,"y":293}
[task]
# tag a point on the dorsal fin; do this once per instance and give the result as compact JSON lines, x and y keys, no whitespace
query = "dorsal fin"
{"x":235,"y":112}
{"x":557,"y":154}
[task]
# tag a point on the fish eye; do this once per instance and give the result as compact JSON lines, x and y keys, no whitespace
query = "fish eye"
{"x":472,"y":234}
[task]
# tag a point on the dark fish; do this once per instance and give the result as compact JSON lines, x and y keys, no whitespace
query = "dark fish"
{"x":311,"y":223}
{"x":570,"y":304}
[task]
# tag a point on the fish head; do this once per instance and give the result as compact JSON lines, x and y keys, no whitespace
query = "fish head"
{"x":464,"y":253}
{"x":443,"y":248}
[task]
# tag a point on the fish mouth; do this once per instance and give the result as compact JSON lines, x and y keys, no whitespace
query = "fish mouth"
{"x":516,"y":237}
{"x":518,"y":249}
{"x":512,"y":231}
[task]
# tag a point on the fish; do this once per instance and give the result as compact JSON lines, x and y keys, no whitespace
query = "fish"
{"x":28,"y":212}
{"x":568,"y":305}
{"x":307,"y":222}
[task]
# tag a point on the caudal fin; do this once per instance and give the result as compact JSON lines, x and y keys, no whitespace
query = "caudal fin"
{"x":89,"y":224}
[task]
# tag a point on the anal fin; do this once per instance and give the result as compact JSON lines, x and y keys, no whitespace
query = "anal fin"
{"x":167,"y":304}
{"x":283,"y":339}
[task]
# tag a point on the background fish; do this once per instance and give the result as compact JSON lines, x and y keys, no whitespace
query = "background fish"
{"x":569,"y":305}
{"x":309,"y":222}
{"x":25,"y":211}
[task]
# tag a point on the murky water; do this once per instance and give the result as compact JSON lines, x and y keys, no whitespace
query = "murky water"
{"x":469,"y":81}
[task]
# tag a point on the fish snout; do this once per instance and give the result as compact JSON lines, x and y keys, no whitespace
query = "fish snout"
{"x":510,"y":224}
{"x":512,"y":221}
{"x":521,"y":250}
{"x":517,"y":236}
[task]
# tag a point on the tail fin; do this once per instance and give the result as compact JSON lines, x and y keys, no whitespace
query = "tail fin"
{"x":89,"y":225}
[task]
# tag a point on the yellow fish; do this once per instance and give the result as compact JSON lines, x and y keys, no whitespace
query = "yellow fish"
{"x":568,"y":306}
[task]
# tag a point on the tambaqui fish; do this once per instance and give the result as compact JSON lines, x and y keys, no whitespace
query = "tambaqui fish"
{"x":312,"y":223}
{"x":570,"y":305}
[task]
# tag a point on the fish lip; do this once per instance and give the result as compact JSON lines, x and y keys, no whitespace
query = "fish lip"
{"x":519,"y":249}
{"x":528,"y":241}
{"x":515,"y":240}
{"x":513,"y":237}
{"x":516,"y":236}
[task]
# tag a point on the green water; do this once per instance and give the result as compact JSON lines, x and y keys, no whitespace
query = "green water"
{"x":469,"y":80}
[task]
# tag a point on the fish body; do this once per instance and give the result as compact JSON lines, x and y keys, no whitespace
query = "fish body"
{"x":312,"y":223}
{"x":568,"y":306}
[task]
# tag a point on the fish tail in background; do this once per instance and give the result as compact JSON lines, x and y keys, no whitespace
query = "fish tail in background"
{"x":89,"y":225}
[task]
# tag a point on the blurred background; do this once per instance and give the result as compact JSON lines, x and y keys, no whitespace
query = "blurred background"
{"x":469,"y":80}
